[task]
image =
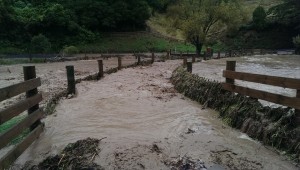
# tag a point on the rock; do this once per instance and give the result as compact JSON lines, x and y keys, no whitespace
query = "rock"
{"x":190,"y":131}
{"x":70,"y":96}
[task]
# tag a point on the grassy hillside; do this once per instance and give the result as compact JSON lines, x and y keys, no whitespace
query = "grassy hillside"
{"x":134,"y":42}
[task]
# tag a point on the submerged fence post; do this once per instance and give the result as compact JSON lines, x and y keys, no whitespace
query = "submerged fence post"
{"x":100,"y":67}
{"x":71,"y":79}
{"x":119,"y":63}
{"x":29,"y":73}
{"x":190,"y":67}
{"x":230,"y":66}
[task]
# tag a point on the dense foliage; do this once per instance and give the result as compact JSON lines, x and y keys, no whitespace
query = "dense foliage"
{"x":272,"y":28}
{"x":205,"y":20}
{"x":68,"y":21}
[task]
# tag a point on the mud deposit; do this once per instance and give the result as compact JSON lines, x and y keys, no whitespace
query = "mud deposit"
{"x":146,"y":124}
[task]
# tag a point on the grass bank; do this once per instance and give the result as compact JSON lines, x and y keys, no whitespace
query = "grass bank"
{"x":133,"y":42}
{"x":7,"y":125}
{"x":12,"y":61}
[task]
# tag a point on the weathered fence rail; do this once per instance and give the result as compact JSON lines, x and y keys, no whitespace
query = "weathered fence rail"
{"x":32,"y":121}
{"x":230,"y":74}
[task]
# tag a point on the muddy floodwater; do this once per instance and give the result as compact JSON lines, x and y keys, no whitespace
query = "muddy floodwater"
{"x":53,"y":75}
{"x":274,"y":65}
{"x":146,"y":124}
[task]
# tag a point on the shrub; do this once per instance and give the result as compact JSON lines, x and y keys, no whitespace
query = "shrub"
{"x":70,"y":50}
{"x":40,"y":44}
{"x":296,"y":41}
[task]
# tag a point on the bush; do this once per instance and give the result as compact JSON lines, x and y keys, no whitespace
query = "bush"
{"x":296,"y":41}
{"x":40,"y":44}
{"x":70,"y":50}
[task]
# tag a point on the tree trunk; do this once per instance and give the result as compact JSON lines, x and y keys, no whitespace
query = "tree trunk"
{"x":198,"y":46}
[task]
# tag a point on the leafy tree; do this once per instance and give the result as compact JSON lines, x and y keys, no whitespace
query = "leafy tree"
{"x":204,"y":20}
{"x":68,"y":21}
{"x":40,"y":44}
{"x":9,"y":24}
{"x":159,"y":5}
{"x":296,"y":41}
{"x":287,"y":13}
{"x":259,"y":18}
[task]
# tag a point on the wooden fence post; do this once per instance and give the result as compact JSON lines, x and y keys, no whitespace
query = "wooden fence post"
{"x":230,"y":65}
{"x":297,"y":111}
{"x":139,"y":60}
{"x":168,"y":54}
{"x":190,"y":67}
{"x":71,"y":79}
{"x":184,"y":61}
{"x":193,"y":58}
{"x":29,"y":73}
{"x":153,"y":58}
{"x":100,"y":66}
{"x":119,"y":63}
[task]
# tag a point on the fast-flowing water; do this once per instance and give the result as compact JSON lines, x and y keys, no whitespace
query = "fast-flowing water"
{"x":138,"y":107}
{"x":274,"y":65}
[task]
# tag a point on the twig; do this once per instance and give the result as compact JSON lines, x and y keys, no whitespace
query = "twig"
{"x":102,"y":139}
{"x":63,"y":155}
{"x":94,"y":156}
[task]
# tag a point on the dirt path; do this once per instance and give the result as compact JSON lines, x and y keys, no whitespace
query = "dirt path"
{"x":148,"y":126}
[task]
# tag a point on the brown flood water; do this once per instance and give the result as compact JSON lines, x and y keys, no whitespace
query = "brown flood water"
{"x":138,"y":107}
{"x":274,"y":65}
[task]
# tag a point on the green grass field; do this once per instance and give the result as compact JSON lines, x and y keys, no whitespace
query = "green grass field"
{"x":9,"y":61}
{"x":133,"y":42}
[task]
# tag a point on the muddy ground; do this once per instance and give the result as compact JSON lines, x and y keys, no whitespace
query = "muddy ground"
{"x":146,"y":124}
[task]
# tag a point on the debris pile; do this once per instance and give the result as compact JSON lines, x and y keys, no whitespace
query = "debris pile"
{"x":78,"y":155}
{"x":185,"y":163}
{"x":273,"y":126}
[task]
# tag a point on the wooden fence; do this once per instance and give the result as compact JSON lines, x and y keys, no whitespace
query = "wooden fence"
{"x":32,"y":121}
{"x":229,"y":53}
{"x":230,"y":74}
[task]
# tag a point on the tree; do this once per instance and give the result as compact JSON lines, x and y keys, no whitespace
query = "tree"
{"x":204,"y":20}
{"x":287,"y":13}
{"x":40,"y":44}
{"x":259,"y":18}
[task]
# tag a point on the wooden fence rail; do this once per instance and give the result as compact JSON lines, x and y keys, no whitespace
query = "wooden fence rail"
{"x":230,"y":74}
{"x":32,"y":121}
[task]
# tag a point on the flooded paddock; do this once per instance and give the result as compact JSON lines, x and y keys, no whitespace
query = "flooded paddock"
{"x":146,"y":124}
{"x":274,"y":65}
